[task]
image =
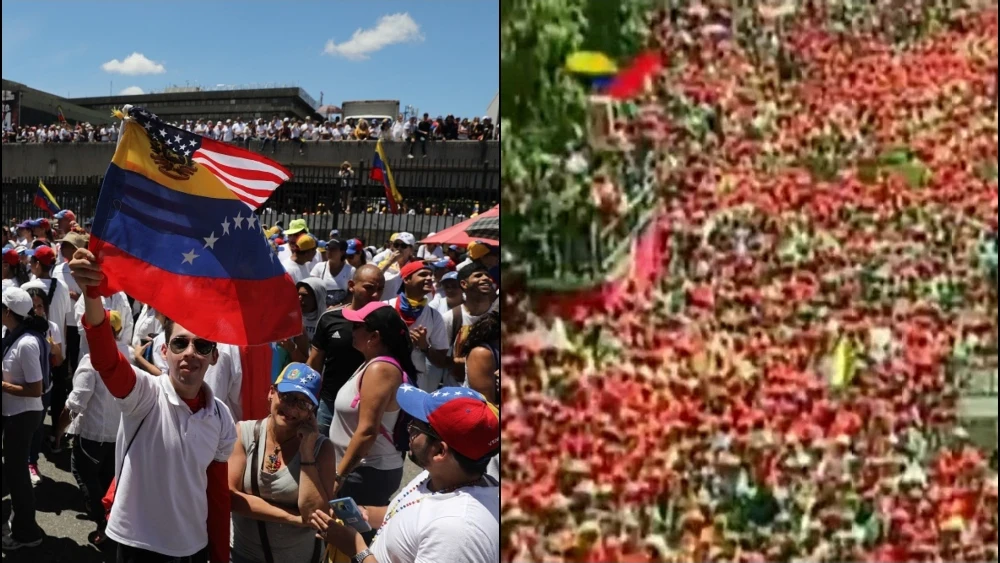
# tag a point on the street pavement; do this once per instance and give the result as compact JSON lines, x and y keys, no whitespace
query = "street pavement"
{"x":61,"y":515}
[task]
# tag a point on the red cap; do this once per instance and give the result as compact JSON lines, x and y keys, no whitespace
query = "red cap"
{"x":10,"y":257}
{"x":412,"y":268}
{"x":43,"y":254}
{"x":462,"y":418}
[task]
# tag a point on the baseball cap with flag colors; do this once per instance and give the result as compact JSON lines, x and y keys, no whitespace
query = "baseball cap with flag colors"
{"x":461,"y":417}
{"x":300,"y":378}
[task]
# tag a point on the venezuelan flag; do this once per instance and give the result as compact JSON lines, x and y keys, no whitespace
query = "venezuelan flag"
{"x":171,"y":231}
{"x":45,"y":201}
{"x":381,"y":173}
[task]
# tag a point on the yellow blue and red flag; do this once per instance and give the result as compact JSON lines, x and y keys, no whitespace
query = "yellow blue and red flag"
{"x":45,"y":201}
{"x":175,"y":228}
{"x":381,"y":173}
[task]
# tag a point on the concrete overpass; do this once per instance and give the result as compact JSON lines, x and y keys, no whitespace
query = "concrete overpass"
{"x":91,"y":159}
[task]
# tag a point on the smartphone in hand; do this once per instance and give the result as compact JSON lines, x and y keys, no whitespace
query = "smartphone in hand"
{"x":347,"y":511}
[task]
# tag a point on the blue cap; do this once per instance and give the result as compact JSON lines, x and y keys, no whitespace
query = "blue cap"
{"x":455,"y":248}
{"x":322,"y":244}
{"x":450,"y":276}
{"x":300,"y":378}
{"x":353,"y":247}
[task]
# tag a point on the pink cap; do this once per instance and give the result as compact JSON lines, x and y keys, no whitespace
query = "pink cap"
{"x":360,"y":315}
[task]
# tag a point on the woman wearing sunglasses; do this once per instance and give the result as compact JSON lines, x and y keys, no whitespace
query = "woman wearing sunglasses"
{"x":280,"y":472}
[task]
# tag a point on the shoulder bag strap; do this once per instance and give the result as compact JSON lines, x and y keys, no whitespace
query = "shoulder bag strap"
{"x":361,"y":379}
{"x":255,"y":487}
{"x":457,"y":318}
{"x":52,"y":291}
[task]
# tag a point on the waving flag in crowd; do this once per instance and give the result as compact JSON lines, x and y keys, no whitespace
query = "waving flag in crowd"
{"x":175,"y":228}
{"x":45,"y":201}
{"x":60,"y":115}
{"x":381,"y":173}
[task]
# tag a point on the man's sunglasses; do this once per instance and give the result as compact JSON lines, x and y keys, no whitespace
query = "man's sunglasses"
{"x":415,"y":428}
{"x":400,"y":245}
{"x":202,"y":347}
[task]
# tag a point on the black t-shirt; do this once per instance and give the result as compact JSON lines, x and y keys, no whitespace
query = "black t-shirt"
{"x":423,"y":129}
{"x":335,"y":337}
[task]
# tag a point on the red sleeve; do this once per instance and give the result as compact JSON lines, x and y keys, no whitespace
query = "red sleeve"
{"x":219,"y":512}
{"x":115,"y":370}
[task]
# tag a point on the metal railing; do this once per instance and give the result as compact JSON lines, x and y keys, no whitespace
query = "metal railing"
{"x":436,"y":195}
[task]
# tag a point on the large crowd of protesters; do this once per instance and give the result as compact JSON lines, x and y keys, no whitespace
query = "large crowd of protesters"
{"x":263,"y":133}
{"x":398,"y":356}
{"x":787,"y":388}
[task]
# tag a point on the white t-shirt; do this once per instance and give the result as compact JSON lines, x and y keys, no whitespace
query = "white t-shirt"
{"x":437,"y":336}
{"x":226,"y":378}
{"x":117,"y":302}
{"x":22,"y":365}
{"x":166,"y":467}
{"x":332,"y":283}
{"x":146,"y":326}
{"x":432,"y":528}
{"x":297,"y":271}
{"x":61,"y":307}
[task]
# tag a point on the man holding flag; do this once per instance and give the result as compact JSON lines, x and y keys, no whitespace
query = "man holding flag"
{"x":175,"y":229}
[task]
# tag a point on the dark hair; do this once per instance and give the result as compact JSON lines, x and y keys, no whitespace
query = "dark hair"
{"x":32,"y":321}
{"x":485,"y":331}
{"x":396,"y":337}
{"x":168,"y":329}
{"x":20,"y":273}
{"x":471,"y":466}
{"x":38,"y":292}
{"x":469,"y":269}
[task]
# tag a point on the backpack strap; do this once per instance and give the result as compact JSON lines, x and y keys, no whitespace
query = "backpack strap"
{"x":361,"y":379}
{"x":255,"y":487}
{"x":52,"y":291}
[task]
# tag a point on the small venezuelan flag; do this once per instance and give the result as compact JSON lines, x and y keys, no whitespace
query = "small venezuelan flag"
{"x":45,"y":201}
{"x":381,"y":173}
{"x":175,"y":228}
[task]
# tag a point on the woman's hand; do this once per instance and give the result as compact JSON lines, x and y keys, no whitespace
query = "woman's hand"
{"x":308,"y":433}
{"x":140,"y":350}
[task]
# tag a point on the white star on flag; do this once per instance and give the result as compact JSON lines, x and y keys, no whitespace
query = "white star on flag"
{"x":189,"y":257}
{"x":225,"y":227}
{"x":210,"y":241}
{"x":238,"y":220}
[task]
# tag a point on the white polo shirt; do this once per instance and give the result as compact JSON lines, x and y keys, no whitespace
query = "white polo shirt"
{"x":161,"y":504}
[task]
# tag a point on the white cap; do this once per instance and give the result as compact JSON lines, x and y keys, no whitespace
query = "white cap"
{"x":407,"y":238}
{"x":17,"y":300}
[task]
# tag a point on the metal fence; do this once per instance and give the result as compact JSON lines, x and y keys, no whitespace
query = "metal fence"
{"x":436,"y":195}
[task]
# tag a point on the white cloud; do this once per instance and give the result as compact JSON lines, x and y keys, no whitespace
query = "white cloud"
{"x":131,"y":91}
{"x":134,"y":64}
{"x":389,"y":30}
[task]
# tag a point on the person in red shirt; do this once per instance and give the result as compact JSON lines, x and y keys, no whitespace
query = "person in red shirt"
{"x":174,"y":445}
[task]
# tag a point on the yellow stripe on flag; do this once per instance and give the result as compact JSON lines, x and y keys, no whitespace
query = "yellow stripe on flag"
{"x":392,"y":181}
{"x":844,"y":364}
{"x":135,"y":152}
{"x":47,"y":193}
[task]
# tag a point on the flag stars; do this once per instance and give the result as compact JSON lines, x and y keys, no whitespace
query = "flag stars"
{"x":210,"y":241}
{"x":238,"y":220}
{"x":189,"y":257}
{"x":225,"y":227}
{"x":251,"y":221}
{"x":178,"y":140}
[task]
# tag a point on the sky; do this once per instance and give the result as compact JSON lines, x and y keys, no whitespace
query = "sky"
{"x":440,"y":56}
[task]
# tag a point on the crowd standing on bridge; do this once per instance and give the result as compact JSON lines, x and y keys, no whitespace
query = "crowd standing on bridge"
{"x":398,"y":356}
{"x":262,"y":133}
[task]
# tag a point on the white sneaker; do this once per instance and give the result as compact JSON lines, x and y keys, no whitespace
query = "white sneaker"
{"x":10,"y":544}
{"x":36,"y":477}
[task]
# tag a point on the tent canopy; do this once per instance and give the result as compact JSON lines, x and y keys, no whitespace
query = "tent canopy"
{"x":458,"y":235}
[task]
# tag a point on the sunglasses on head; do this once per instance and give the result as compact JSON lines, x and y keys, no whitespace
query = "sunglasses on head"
{"x":202,"y":347}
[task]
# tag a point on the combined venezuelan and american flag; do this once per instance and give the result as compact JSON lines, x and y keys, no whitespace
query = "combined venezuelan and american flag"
{"x":175,"y":228}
